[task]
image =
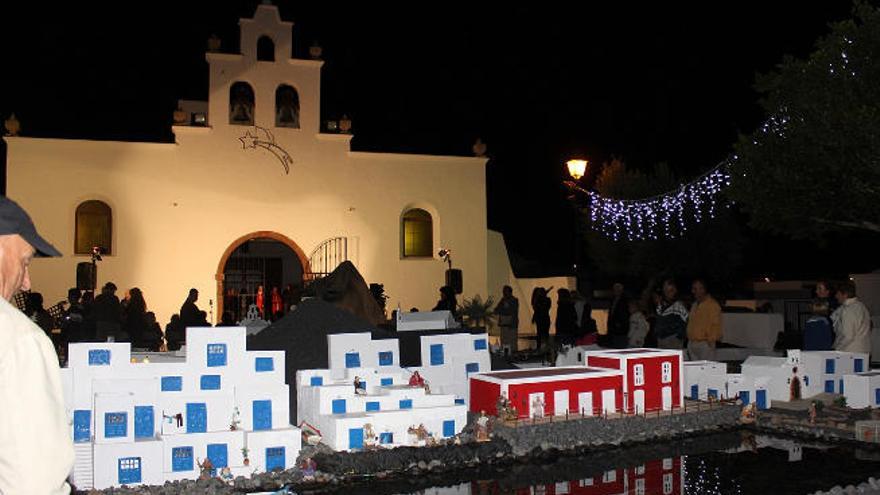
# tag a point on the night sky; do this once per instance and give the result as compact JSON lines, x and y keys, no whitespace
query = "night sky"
{"x":539,"y":83}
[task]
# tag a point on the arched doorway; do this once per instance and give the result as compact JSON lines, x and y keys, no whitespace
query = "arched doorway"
{"x":263,"y":258}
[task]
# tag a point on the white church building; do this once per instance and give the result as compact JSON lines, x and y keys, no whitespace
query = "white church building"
{"x":255,"y":190}
{"x":149,"y":422}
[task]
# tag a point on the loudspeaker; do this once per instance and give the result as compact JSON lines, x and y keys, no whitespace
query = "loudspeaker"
{"x":454,"y":280}
{"x":86,"y":276}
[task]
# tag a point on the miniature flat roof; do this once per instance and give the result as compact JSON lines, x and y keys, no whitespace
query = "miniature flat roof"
{"x":542,"y":372}
{"x":634,"y":351}
{"x":869,"y":373}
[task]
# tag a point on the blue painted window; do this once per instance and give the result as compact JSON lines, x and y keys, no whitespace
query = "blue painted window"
{"x":877,"y":396}
{"x":356,"y":438}
{"x":480,"y":344}
{"x":82,"y":425}
{"x":449,"y":428}
{"x":829,"y":366}
{"x":172,"y":383}
{"x":99,"y":357}
{"x":436,"y":354}
{"x":858,"y":365}
{"x":353,"y":360}
{"x":386,"y":358}
{"x":386,"y":437}
{"x":262,"y":415}
{"x":196,"y":417}
{"x":695,"y":392}
{"x":806,"y":381}
{"x":471,"y":368}
{"x":210,"y":382}
{"x":129,"y":471}
{"x":406,"y":404}
{"x":219,"y":454}
{"x":316,"y":381}
{"x":182,"y":459}
{"x":829,"y":386}
{"x":263,"y":364}
{"x":144,"y":422}
{"x":362,"y":385}
{"x":275,"y":458}
{"x":338,"y":406}
{"x":115,"y":424}
{"x":372,"y":406}
{"x":761,"y":399}
{"x":386,"y":382}
{"x":459,"y":401}
{"x":216,"y":355}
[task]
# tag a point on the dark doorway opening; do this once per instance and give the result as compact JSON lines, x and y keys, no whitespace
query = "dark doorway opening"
{"x":260,"y":263}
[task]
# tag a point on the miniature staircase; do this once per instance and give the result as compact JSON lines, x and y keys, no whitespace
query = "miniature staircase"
{"x":83,"y":469}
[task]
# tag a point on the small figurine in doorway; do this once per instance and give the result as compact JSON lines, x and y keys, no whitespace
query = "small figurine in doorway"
{"x":277,"y":305}
{"x":748,"y":414}
{"x":794,"y":386}
{"x":226,"y":474}
{"x":421,"y":433}
{"x":813,"y":412}
{"x":503,"y":410}
{"x":260,"y":302}
{"x":370,"y":437}
{"x":538,"y":407}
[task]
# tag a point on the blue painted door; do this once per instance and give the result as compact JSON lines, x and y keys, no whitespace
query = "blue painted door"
{"x":436,"y":354}
{"x":353,"y":360}
{"x":143,"y":422}
{"x":82,"y":425}
{"x":219,"y":454}
{"x":841,"y":385}
{"x":356,"y":438}
{"x":695,"y":392}
{"x":829,"y":386}
{"x":262,"y":415}
{"x":745,"y":397}
{"x":761,"y":399}
{"x":275,"y":458}
{"x":129,"y":470}
{"x":196,"y":417}
{"x":877,"y":396}
{"x":449,"y":428}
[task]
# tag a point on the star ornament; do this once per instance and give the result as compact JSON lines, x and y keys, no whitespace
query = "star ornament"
{"x":248,"y":140}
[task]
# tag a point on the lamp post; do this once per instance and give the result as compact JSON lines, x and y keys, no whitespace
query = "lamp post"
{"x":577,"y":168}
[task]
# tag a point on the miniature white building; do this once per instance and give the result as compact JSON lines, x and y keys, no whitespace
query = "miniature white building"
{"x":862,"y":389}
{"x":817,"y":371}
{"x":705,"y":379}
{"x":145,"y":423}
{"x":449,"y":359}
{"x":327,"y":399}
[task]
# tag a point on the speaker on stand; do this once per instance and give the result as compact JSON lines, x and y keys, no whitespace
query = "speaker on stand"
{"x":86,"y":276}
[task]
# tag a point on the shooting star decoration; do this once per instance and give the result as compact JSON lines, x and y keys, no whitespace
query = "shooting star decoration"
{"x":253,"y":141}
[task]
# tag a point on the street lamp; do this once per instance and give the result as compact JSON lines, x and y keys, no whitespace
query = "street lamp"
{"x":576,"y":168}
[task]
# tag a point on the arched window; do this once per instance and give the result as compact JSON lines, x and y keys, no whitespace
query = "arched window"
{"x":241,"y":104}
{"x":286,"y":107}
{"x":418,"y":233}
{"x":94,"y":227}
{"x":265,"y":49}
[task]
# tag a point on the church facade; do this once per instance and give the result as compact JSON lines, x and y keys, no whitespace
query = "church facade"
{"x":255,"y":192}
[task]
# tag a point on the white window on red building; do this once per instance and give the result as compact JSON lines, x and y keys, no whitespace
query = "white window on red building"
{"x":640,"y":470}
{"x":667,"y":464}
{"x":639,"y":374}
{"x":640,"y":486}
{"x":667,"y":484}
{"x":609,"y":477}
{"x":666,"y":372}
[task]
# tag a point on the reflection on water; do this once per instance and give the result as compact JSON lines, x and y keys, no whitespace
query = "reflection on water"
{"x":732,"y":464}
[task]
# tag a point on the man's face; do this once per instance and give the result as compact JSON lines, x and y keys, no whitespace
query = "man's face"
{"x":698,"y":290}
{"x":669,"y":291}
{"x":841,"y":296}
{"x":617,"y":289}
{"x":15,"y":259}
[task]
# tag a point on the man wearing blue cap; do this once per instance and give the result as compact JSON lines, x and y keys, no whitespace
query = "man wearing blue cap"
{"x":36,"y":451}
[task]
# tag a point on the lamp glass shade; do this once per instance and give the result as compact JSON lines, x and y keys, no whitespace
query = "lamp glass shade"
{"x":576,"y":168}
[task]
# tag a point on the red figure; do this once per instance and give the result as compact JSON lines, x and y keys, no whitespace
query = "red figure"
{"x":416,"y":380}
{"x":260,"y":301}
{"x":276,"y":301}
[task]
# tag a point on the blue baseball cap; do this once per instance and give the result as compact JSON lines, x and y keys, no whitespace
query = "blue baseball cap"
{"x":14,"y":220}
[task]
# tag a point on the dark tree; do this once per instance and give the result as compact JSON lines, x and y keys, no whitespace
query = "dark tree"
{"x":814,"y":168}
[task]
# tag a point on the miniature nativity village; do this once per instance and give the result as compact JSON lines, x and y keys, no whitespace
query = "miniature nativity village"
{"x":316,"y":380}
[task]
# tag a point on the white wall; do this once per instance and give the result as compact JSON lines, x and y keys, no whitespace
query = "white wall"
{"x":860,"y":389}
{"x":259,"y":441}
{"x":106,"y":462}
{"x":234,"y":441}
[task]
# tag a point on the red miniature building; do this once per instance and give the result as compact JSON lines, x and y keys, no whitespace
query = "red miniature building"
{"x":652,"y":378}
{"x":658,"y":477}
{"x":549,"y":391}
